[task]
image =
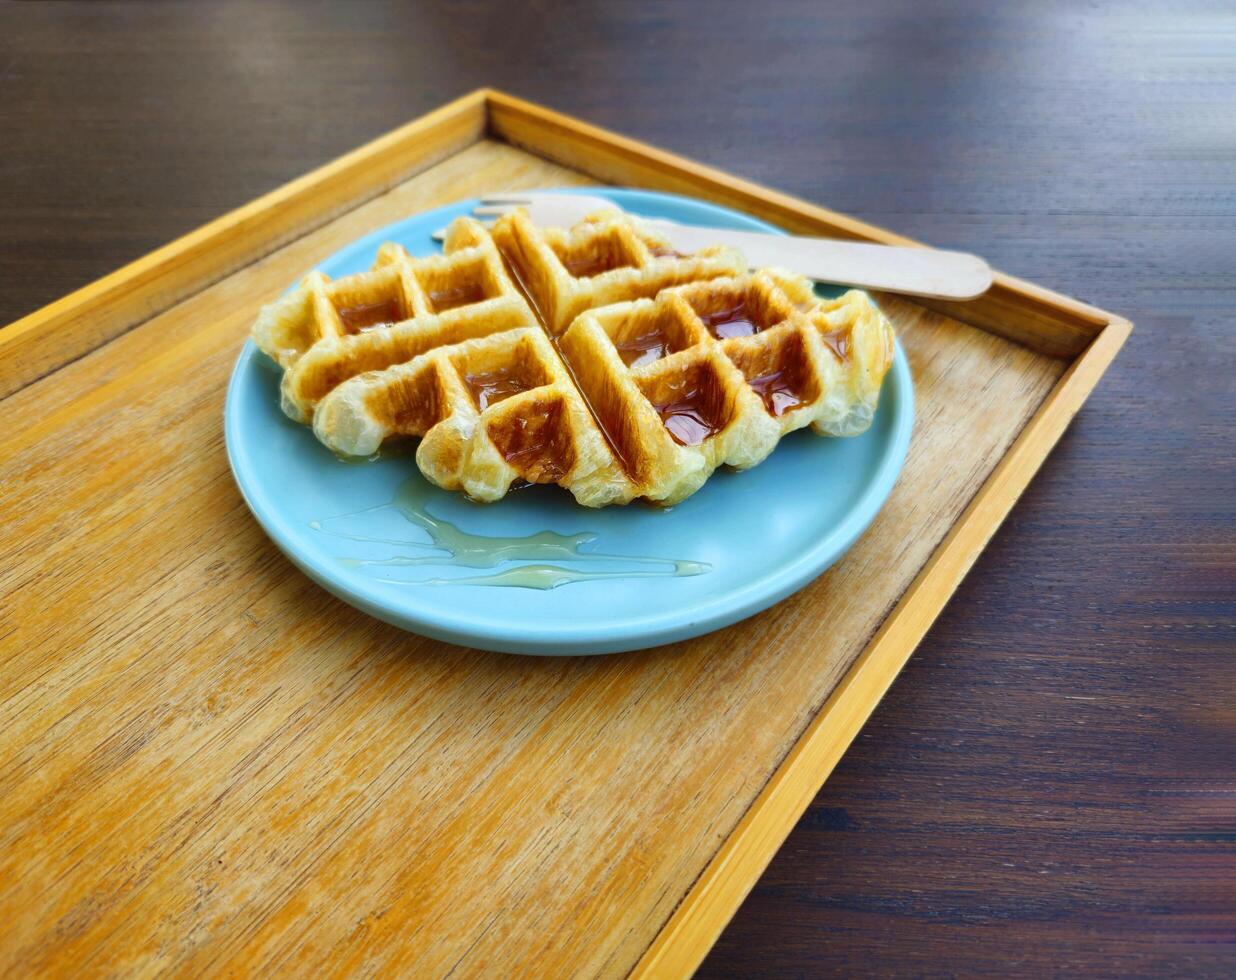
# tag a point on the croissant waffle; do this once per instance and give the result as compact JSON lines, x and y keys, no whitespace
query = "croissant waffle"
{"x":716,"y":372}
{"x":637,"y":397}
{"x":324,"y":332}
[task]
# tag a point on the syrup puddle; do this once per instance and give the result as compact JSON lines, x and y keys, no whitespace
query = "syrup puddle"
{"x":546,"y":577}
{"x":450,"y":545}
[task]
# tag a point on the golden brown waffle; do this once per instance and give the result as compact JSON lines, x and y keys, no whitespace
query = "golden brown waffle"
{"x":445,"y":349}
{"x":400,"y":308}
{"x":653,"y":394}
{"x":489,"y":411}
{"x":716,"y":372}
{"x":603,"y":259}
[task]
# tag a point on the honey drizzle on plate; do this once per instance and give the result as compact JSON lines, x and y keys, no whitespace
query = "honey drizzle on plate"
{"x":457,"y":547}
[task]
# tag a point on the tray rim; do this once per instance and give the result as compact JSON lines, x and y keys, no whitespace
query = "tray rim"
{"x":1050,"y":323}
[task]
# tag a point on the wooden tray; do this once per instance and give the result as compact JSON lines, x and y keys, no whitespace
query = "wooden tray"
{"x":207,"y":763}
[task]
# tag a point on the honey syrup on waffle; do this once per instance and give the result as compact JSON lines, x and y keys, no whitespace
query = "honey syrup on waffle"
{"x":838,"y":341}
{"x":736,"y":321}
{"x":588,"y":266}
{"x":687,"y":420}
{"x":644,"y":349}
{"x":490,"y":387}
{"x":450,"y":545}
{"x":777,"y":391}
{"x":448,"y":299}
{"x":366,"y":316}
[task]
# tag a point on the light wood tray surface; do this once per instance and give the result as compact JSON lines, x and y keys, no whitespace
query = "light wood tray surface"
{"x":208,"y":763}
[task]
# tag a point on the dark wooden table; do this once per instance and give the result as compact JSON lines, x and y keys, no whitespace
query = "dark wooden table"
{"x":1051,"y":784}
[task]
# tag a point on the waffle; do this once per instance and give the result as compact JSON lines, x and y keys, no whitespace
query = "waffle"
{"x":716,"y":372}
{"x":488,"y":411}
{"x":594,"y":358}
{"x":324,"y":332}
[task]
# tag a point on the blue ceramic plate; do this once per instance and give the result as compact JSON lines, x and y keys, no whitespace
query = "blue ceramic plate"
{"x":743,"y":542}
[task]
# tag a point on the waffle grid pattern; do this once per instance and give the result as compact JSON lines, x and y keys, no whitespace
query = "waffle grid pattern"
{"x":726,"y":367}
{"x":644,"y":371}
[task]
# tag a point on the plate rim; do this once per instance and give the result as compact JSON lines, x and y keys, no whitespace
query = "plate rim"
{"x":560,"y":639}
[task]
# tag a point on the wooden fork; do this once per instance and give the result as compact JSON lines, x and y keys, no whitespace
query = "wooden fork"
{"x":912,"y":271}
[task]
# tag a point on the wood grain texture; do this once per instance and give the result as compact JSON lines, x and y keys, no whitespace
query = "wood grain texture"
{"x":321,"y":791}
{"x":992,"y":817}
